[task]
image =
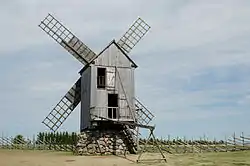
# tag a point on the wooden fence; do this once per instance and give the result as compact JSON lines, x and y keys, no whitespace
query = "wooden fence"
{"x":8,"y":142}
{"x":233,"y":143}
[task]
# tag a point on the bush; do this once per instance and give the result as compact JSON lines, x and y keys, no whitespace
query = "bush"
{"x":19,"y":139}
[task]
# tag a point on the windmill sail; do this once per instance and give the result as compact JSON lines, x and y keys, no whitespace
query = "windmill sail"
{"x":67,"y":39}
{"x":143,"y":115}
{"x":64,"y":108}
{"x":133,"y":35}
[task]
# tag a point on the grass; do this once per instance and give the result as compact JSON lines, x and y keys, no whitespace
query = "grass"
{"x":239,"y":158}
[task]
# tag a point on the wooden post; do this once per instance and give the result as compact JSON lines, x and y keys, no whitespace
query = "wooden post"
{"x":243,"y":141}
{"x":234,"y":142}
{"x":137,"y":139}
{"x":7,"y":142}
{"x":185,"y":147}
{"x":154,"y":143}
{"x":34,"y":142}
{"x":2,"y":140}
{"x":164,"y":158}
{"x":205,"y":142}
{"x":169,"y":141}
{"x":192,"y":145}
{"x":226,"y":143}
{"x":200,"y":145}
{"x":177,"y":145}
{"x":144,"y":148}
{"x":215,"y":141}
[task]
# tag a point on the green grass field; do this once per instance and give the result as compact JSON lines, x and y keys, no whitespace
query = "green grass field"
{"x":239,"y":158}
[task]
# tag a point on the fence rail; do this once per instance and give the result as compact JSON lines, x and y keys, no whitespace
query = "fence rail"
{"x":172,"y":146}
{"x":177,"y":145}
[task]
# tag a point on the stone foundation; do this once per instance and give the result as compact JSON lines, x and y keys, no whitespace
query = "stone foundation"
{"x":94,"y":142}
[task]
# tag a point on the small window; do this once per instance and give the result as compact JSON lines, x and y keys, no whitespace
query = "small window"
{"x":101,"y":77}
{"x":113,"y":106}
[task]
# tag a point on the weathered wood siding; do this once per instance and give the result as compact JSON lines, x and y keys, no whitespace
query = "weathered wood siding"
{"x":85,"y":98}
{"x":112,"y":59}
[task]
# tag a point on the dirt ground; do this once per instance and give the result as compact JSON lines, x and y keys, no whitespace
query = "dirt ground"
{"x":48,"y":158}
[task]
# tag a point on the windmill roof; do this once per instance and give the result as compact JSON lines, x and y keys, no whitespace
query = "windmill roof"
{"x":112,"y":42}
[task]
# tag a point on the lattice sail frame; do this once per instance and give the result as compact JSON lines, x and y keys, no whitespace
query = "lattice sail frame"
{"x":134,"y":34}
{"x":143,"y":115}
{"x":67,"y":39}
{"x":64,"y":108}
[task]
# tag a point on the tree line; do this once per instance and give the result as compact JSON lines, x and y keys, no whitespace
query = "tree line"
{"x":66,"y":138}
{"x":59,"y":138}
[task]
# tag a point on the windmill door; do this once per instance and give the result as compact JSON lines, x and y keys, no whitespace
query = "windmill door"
{"x":111,"y":78}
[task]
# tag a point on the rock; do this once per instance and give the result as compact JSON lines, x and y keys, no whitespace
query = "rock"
{"x":120,"y":147}
{"x":101,"y":143}
{"x":119,"y":141}
{"x":117,"y":151}
{"x":107,"y":136}
{"x":91,"y":151}
{"x":85,"y":149}
{"x":102,"y":150}
{"x":83,"y":135}
{"x":91,"y":146}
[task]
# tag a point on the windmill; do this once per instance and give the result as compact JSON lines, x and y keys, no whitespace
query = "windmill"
{"x":105,"y":88}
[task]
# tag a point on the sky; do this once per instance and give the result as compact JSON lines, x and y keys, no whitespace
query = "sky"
{"x":193,"y":63}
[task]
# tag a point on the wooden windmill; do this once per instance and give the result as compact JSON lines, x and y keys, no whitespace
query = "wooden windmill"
{"x":106,"y":88}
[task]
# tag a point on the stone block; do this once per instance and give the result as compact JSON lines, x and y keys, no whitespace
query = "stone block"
{"x":119,"y":141}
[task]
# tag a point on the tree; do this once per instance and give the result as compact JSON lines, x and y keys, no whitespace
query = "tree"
{"x":19,"y":139}
{"x":57,"y":138}
{"x":39,"y":138}
{"x":74,"y":138}
{"x":66,"y":138}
